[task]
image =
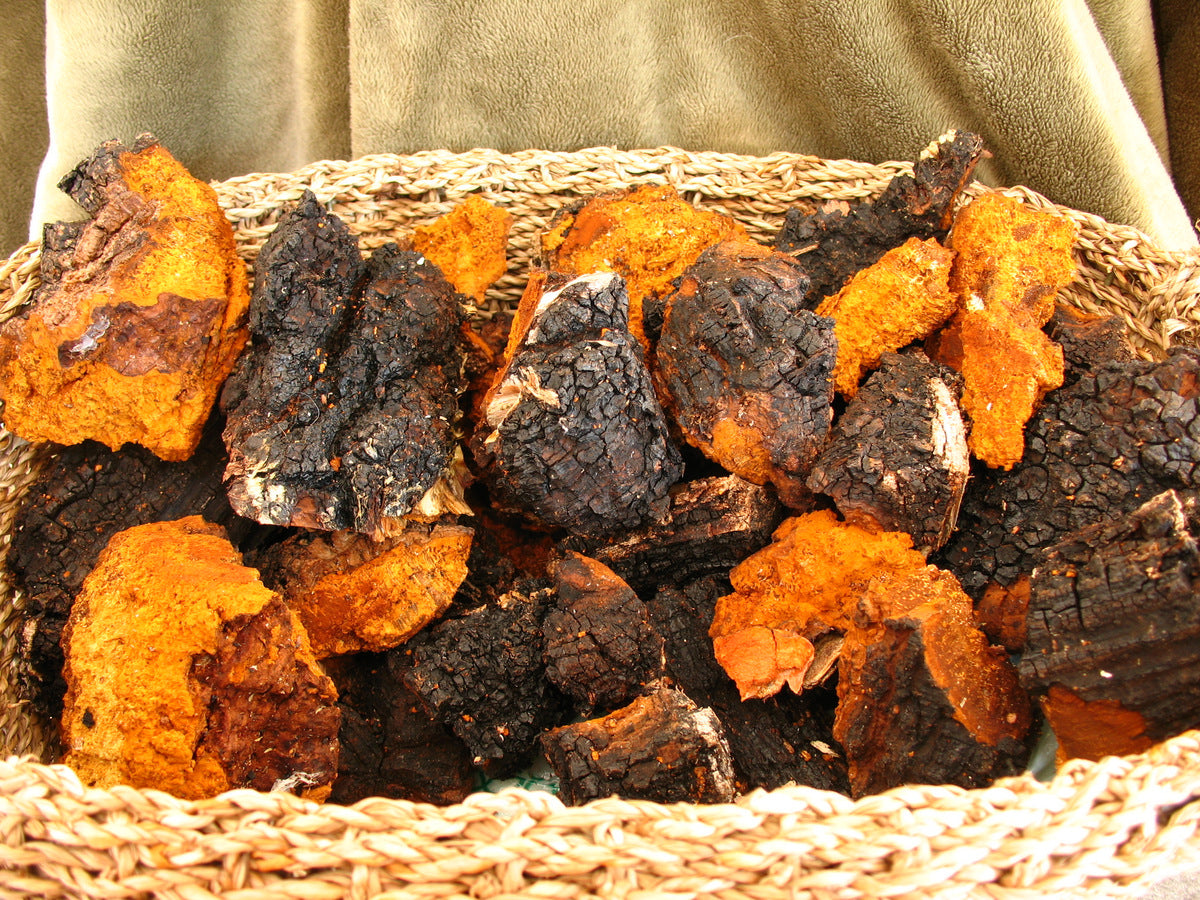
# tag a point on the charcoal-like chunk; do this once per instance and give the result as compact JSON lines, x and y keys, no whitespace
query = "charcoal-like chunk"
{"x":390,"y":745}
{"x":576,"y":438}
{"x":1113,"y":631}
{"x":600,"y":646}
{"x":898,"y":455}
{"x":341,"y":411}
{"x":746,"y":371}
{"x":714,"y":524}
{"x":1098,"y":449}
{"x":843,"y":237}
{"x":86,"y":494}
{"x":483,"y":675}
{"x":782,"y":739}
{"x":661,"y":747}
{"x":1087,"y":340}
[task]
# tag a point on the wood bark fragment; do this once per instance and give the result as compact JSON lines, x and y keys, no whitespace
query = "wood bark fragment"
{"x":185,"y":674}
{"x":745,"y":371}
{"x":897,"y":459}
{"x":341,"y":411}
{"x":141,"y":313}
{"x":844,"y":237}
{"x":922,"y":695}
{"x":661,"y":747}
{"x":1113,"y":627}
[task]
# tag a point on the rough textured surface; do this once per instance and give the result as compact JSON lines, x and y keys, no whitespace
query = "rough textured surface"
{"x":1010,"y":263}
{"x":341,"y":410}
{"x":647,"y":234}
{"x":897,"y":459}
{"x":781,"y":740}
{"x":85,"y":495}
{"x":468,"y":244}
{"x":483,"y":675}
{"x":600,"y":646}
{"x":1113,"y":629}
{"x":185,"y":674}
{"x":922,"y":696}
{"x":714,"y":524}
{"x":1097,"y":449}
{"x":355,"y":593}
{"x":747,"y":372}
{"x":577,"y":439}
{"x":661,"y":747}
{"x":1087,"y":341}
{"x":808,"y":582}
{"x":141,"y":312}
{"x":390,"y":745}
{"x":904,"y":297}
{"x":842,"y":238}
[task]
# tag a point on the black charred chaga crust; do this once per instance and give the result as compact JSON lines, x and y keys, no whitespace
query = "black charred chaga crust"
{"x":575,"y":437}
{"x":341,"y":409}
{"x":483,"y":675}
{"x":900,"y":726}
{"x":390,"y":745}
{"x":85,"y":495}
{"x":843,"y":237}
{"x":1114,"y":615}
{"x":1096,"y":450}
{"x":1088,"y":341}
{"x":736,"y":345}
{"x":898,"y":454}
{"x":661,"y":747}
{"x":600,"y":646}
{"x":786,"y":738}
{"x":714,"y":524}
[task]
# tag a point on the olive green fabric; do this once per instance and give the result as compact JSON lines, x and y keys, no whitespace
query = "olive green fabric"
{"x":1069,"y":95}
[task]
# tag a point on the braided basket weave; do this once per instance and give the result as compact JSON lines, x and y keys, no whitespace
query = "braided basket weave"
{"x":1095,"y":829}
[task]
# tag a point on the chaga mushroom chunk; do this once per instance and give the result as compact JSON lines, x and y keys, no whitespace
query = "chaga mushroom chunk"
{"x":341,"y":410}
{"x":390,"y":745}
{"x":747,"y":372}
{"x":85,"y":495}
{"x":780,"y":740}
{"x":903,"y":297}
{"x":842,"y":237}
{"x":355,"y":593}
{"x":1113,"y":628}
{"x":806,"y":584}
{"x":661,"y":747}
{"x":600,"y":646}
{"x":1087,"y":340}
{"x":185,"y":674}
{"x":468,"y":244}
{"x":1011,"y":261}
{"x":575,"y":436}
{"x":922,"y":695}
{"x":648,"y":235}
{"x":1100,"y":448}
{"x":484,"y":676}
{"x":141,"y":313}
{"x":714,"y":524}
{"x":898,"y":458}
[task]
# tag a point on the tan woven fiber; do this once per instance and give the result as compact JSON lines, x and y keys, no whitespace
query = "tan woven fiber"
{"x":1097,"y":829}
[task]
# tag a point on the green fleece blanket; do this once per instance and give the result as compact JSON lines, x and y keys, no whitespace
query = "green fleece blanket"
{"x":1069,"y":95}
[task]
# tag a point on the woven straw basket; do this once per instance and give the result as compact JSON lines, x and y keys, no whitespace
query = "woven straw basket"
{"x":1095,"y":829}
